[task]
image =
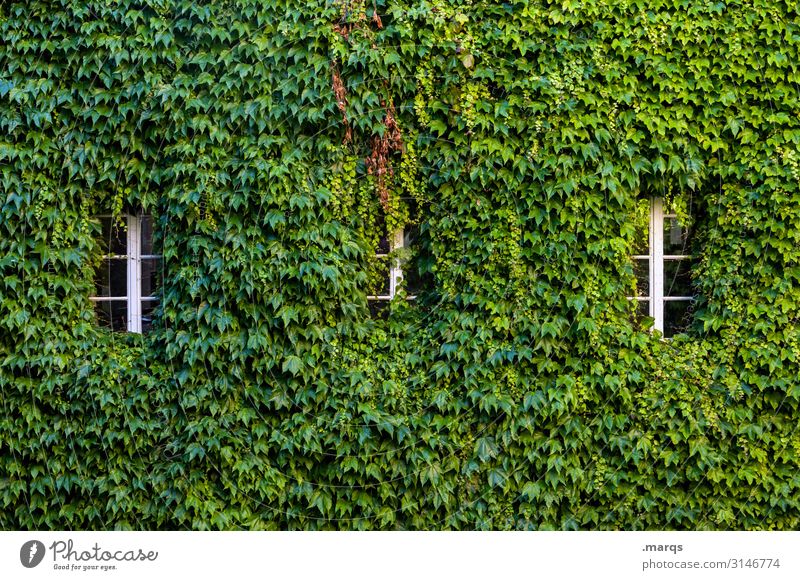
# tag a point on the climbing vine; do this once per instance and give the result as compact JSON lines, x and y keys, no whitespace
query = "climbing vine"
{"x":276,"y":143}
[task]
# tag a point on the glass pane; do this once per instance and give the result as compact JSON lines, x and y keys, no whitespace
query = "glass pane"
{"x":379,"y":308}
{"x":641,"y":237}
{"x":410,"y":236}
{"x":112,"y":314}
{"x":641,"y":315}
{"x":380,"y":227}
{"x":641,"y":270}
{"x":115,"y":236}
{"x":643,"y":310}
{"x":383,"y":245}
{"x":678,"y":278}
{"x":677,"y":316}
{"x":677,"y":239}
{"x":148,"y":310}
{"x":112,"y":278}
{"x":146,"y":235}
{"x":412,"y":279}
{"x":151,"y":276}
{"x":379,"y":278}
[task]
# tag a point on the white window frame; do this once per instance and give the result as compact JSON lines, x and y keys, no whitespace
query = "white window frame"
{"x":396,"y":242}
{"x":656,"y":258}
{"x":134,"y":258}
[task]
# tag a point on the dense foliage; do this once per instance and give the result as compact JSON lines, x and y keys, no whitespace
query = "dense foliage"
{"x":518,"y":391}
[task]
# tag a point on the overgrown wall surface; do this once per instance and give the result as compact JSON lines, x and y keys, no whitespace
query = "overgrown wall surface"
{"x":517,"y":390}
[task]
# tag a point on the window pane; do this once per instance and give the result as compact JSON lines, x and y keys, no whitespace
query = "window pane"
{"x":112,"y":314}
{"x":115,"y":236}
{"x":383,"y":245}
{"x":677,"y":239}
{"x":642,"y":314}
{"x":413,"y":281}
{"x":641,"y":238}
{"x":383,"y":241}
{"x":146,"y":235}
{"x":641,"y":270}
{"x":379,"y":278}
{"x":151,"y":276}
{"x":410,"y":235}
{"x":678,"y":278}
{"x":112,"y":278}
{"x":677,"y":316}
{"x":379,"y":308}
{"x":148,"y":309}
{"x":643,"y":309}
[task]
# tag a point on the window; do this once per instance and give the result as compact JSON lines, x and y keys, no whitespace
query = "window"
{"x":389,"y":273}
{"x":129,"y":276}
{"x":663,"y":271}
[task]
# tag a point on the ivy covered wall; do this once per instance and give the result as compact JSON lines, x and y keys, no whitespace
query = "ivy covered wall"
{"x":274,"y":141}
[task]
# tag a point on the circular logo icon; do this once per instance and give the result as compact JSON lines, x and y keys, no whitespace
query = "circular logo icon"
{"x":31,"y":553}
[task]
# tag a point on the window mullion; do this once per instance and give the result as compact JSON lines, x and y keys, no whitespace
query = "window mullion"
{"x":134,"y":275}
{"x":657,"y":262}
